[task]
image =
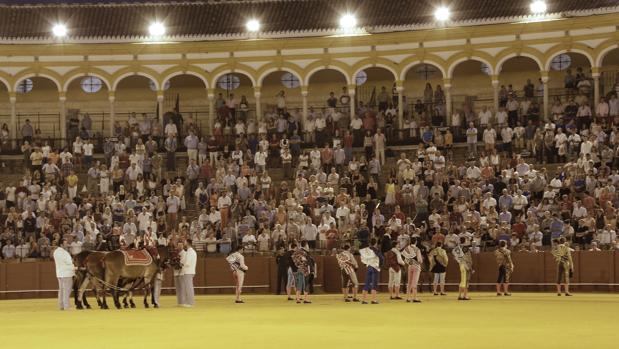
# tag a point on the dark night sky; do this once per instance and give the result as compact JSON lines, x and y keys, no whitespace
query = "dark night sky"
{"x":13,"y":2}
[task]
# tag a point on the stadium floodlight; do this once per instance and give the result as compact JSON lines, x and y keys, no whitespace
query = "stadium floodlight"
{"x":60,"y":30}
{"x":253,"y":25}
{"x":348,"y":21}
{"x":538,"y":7}
{"x":442,"y":14}
{"x":156,"y":29}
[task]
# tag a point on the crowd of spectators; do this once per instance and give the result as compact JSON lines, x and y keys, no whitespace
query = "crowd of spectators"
{"x":137,"y":193}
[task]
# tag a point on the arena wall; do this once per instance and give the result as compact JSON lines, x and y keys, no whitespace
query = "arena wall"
{"x":593,"y":272}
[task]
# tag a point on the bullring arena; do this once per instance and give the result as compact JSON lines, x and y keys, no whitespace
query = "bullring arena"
{"x":309,"y":173}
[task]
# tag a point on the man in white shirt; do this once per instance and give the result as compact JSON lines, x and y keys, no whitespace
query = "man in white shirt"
{"x":260,"y":159}
{"x":471,"y":140}
{"x":484,"y":116}
{"x":536,"y":236}
{"x":65,"y":270}
{"x":501,"y":117}
{"x":188,"y":271}
{"x":88,"y":149}
{"x":489,"y":138}
{"x":507,"y":135}
{"x":379,"y":146}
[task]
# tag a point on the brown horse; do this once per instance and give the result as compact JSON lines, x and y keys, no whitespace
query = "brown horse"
{"x":80,"y":281}
{"x":93,"y":272}
{"x":141,"y":276}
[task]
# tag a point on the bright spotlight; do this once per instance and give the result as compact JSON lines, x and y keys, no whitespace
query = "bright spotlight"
{"x":348,"y":21}
{"x":156,"y":29}
{"x":538,"y":6}
{"x":442,"y":14}
{"x":60,"y":30}
{"x":253,"y":25}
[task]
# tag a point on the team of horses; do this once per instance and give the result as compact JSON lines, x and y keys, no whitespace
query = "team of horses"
{"x":108,"y":272}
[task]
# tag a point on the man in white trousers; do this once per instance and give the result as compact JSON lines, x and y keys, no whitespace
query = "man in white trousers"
{"x":65,"y":270}
{"x":188,"y":260}
{"x":237,"y":264}
{"x":178,"y":284}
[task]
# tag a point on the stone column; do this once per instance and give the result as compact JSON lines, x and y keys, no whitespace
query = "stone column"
{"x":211,"y":112}
{"x":304,"y":94}
{"x":495,"y":94}
{"x":400,"y":88}
{"x":160,"y":99}
{"x":352,"y":91}
{"x":62,"y":98}
{"x":257,"y":95}
{"x":448,"y":109}
{"x":112,"y":98}
{"x":13,"y":124}
{"x":596,"y":89}
{"x":545,"y":79}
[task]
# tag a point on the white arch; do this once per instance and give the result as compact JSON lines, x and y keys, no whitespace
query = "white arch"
{"x":324,"y":67}
{"x":423,"y":61}
{"x":377,"y":65}
{"x":188,"y":72}
{"x":35,"y":75}
{"x":235,"y":71}
{"x":584,"y":53}
{"x":602,"y":55}
{"x":499,"y":65}
{"x":83,"y":75}
{"x":120,"y":78}
{"x":6,"y":83}
{"x":272,"y":70}
{"x":453,"y":66}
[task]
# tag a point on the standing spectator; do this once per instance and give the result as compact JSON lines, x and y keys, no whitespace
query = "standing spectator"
{"x":379,"y":142}
{"x":191,"y":142}
{"x":170,"y":147}
{"x":471,"y":140}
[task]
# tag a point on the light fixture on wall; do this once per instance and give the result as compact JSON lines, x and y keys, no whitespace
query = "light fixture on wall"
{"x":156,"y":29}
{"x":60,"y":30}
{"x":253,"y":25}
{"x":538,"y":7}
{"x":442,"y":14}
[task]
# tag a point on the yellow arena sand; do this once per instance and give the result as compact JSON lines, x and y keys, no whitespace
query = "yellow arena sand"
{"x":530,"y":320}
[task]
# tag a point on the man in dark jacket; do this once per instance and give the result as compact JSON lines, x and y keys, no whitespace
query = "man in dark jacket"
{"x":282,"y":259}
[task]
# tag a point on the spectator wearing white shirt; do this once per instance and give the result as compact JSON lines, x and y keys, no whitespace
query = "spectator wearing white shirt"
{"x":485,"y":116}
{"x":170,"y":129}
{"x":535,"y":237}
{"x":507,"y":135}
{"x":489,"y":138}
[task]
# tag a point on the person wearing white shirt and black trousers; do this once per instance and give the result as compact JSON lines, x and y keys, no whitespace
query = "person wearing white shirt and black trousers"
{"x":65,"y":270}
{"x":188,"y":260}
{"x":237,"y":264}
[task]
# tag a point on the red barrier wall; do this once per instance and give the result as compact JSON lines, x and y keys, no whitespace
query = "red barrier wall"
{"x":593,"y":271}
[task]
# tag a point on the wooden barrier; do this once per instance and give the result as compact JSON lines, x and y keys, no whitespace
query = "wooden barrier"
{"x":593,"y":271}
